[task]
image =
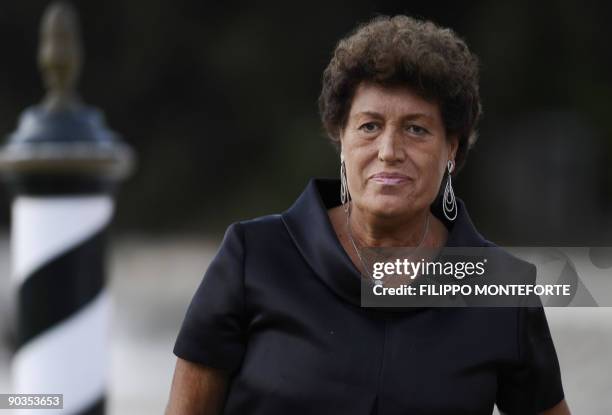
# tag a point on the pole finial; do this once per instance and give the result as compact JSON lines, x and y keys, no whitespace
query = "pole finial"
{"x":60,"y":55}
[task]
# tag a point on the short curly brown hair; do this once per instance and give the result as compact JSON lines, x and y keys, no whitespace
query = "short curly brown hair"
{"x":403,"y":50}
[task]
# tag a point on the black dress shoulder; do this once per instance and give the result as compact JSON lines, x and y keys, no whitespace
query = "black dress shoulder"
{"x":279,"y":309}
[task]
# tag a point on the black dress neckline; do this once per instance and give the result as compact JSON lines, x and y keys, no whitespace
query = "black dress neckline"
{"x":308,"y":224}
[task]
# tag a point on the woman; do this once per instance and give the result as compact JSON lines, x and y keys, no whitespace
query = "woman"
{"x":277,"y":327}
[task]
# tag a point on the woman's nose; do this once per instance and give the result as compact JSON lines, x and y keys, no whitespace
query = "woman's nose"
{"x":390,"y":150}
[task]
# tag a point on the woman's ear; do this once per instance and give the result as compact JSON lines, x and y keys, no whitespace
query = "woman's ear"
{"x":453,"y":146}
{"x":340,"y":146}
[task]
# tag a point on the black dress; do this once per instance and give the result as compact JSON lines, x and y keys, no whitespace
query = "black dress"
{"x":279,"y":308}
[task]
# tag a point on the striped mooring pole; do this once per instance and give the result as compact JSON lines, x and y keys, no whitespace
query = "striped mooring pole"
{"x":62,"y":166}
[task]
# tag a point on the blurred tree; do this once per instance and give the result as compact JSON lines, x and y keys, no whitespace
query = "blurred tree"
{"x":219,"y":99}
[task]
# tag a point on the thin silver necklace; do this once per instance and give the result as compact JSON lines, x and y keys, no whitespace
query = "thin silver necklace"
{"x":363,"y":264}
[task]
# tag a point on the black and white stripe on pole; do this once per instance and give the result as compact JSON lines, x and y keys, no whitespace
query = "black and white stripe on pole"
{"x":58,"y":267}
{"x":62,"y":165}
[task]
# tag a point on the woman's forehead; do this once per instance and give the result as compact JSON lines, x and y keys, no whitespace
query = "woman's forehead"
{"x":396,"y":100}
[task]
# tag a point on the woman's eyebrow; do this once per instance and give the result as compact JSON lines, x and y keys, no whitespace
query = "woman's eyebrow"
{"x":417,"y":115}
{"x":409,"y":116}
{"x":369,"y":113}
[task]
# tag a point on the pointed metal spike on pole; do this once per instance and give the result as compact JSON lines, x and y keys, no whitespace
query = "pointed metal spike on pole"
{"x":62,"y":136}
{"x":60,"y":55}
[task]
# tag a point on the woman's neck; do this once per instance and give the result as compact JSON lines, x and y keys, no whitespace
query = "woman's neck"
{"x":384,"y":234}
{"x":376,"y":231}
{"x":420,"y":229}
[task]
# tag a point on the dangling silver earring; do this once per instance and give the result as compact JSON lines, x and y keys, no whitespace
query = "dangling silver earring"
{"x":344,"y":193}
{"x":449,"y":205}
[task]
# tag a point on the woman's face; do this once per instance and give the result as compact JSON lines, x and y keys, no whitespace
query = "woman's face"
{"x":395,"y":149}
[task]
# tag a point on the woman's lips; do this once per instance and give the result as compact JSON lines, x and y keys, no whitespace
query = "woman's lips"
{"x":389,"y":178}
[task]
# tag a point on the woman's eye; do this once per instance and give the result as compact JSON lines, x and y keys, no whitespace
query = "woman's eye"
{"x":417,"y":129}
{"x":368,"y":127}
